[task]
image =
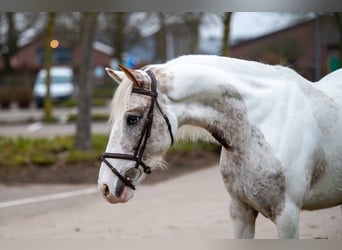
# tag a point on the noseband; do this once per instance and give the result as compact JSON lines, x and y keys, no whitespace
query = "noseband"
{"x":145,"y":134}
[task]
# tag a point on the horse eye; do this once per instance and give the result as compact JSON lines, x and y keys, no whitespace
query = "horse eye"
{"x":133,"y":174}
{"x":132,"y":119}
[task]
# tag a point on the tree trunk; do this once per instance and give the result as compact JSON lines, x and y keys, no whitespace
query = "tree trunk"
{"x":338,"y":21}
{"x":119,"y":21}
{"x":11,"y":43}
{"x":193,"y":21}
{"x":161,"y":39}
{"x":194,"y":45}
{"x":226,"y":30}
{"x":83,"y":126}
{"x":47,"y":62}
{"x":194,"y":31}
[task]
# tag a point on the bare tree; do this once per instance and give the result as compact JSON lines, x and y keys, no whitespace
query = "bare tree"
{"x":14,"y":29}
{"x":116,"y":26}
{"x":83,"y":126}
{"x":169,"y":23}
{"x":118,"y":35}
{"x":226,"y":17}
{"x":47,"y":62}
{"x":10,"y":47}
{"x":193,"y":20}
{"x":161,"y":43}
{"x":68,"y":25}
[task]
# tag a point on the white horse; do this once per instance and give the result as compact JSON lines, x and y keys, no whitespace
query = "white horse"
{"x":281,"y":134}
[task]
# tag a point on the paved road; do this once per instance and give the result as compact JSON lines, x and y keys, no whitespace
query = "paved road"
{"x":194,"y":206}
{"x":191,"y":206}
{"x":15,"y":114}
{"x":14,"y":122}
{"x":22,"y":202}
{"x":39,"y":129}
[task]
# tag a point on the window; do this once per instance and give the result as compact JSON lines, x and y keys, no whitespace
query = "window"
{"x":59,"y":56}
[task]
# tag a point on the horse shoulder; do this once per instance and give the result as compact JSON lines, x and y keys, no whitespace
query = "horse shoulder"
{"x":255,"y":177}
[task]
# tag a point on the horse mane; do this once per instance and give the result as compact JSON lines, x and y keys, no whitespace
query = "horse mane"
{"x":193,"y":134}
{"x":121,"y":99}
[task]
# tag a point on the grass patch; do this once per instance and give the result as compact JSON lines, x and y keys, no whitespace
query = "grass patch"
{"x":106,"y":91}
{"x":21,"y":151}
{"x":71,"y":103}
{"x":43,"y":160}
{"x":187,"y":146}
{"x":75,"y":156}
{"x":99,"y":102}
{"x":100,"y":117}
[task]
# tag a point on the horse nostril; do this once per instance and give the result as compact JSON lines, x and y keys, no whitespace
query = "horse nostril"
{"x":104,"y":190}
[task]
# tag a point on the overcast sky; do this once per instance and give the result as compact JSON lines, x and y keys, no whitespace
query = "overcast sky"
{"x":251,"y":24}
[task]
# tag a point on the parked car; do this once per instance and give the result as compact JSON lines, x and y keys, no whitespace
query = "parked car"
{"x":61,"y":87}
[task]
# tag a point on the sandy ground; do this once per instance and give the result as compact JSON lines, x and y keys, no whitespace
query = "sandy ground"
{"x":194,"y":205}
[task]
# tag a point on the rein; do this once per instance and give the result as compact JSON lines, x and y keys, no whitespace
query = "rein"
{"x":145,"y":134}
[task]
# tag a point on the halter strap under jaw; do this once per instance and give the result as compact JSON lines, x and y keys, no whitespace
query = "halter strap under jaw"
{"x":146,"y":133}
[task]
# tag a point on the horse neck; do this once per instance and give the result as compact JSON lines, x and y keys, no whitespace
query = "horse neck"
{"x":264,"y":90}
{"x":207,"y":101}
{"x":260,"y":85}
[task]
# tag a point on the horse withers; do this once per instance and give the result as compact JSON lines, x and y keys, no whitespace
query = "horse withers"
{"x":280,"y":134}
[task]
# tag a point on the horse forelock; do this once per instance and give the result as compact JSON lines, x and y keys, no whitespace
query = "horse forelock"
{"x":121,"y":99}
{"x":123,"y":93}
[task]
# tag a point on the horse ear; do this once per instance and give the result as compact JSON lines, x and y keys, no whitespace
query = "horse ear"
{"x":131,"y":74}
{"x":116,"y":75}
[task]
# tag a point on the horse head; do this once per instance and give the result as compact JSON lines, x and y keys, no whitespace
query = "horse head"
{"x":141,"y":133}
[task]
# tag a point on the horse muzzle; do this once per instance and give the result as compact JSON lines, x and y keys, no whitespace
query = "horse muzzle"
{"x":125,"y":195}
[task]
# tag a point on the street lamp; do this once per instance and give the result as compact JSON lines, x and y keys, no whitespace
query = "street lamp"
{"x":54,"y":43}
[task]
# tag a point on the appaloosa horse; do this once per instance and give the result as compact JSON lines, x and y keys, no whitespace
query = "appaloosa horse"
{"x":281,"y":135}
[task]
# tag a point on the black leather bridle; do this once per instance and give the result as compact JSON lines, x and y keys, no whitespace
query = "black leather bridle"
{"x":145,"y":134}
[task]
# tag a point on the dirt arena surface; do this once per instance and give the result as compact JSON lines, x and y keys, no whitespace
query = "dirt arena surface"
{"x":190,"y":206}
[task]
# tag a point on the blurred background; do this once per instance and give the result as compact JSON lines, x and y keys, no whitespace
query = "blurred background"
{"x":53,"y":83}
{"x":55,"y":103}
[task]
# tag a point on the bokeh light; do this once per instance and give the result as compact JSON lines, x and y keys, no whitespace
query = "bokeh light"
{"x":54,"y":44}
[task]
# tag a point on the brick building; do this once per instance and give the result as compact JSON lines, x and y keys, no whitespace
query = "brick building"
{"x":30,"y":57}
{"x":310,"y":47}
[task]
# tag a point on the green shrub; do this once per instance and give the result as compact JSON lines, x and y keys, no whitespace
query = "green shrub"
{"x":187,"y":146}
{"x":21,"y":151}
{"x":100,"y":117}
{"x":104,"y":92}
{"x":70,"y":103}
{"x":76,"y":156}
{"x":43,"y":160}
{"x":20,"y":160}
{"x":97,"y":102}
